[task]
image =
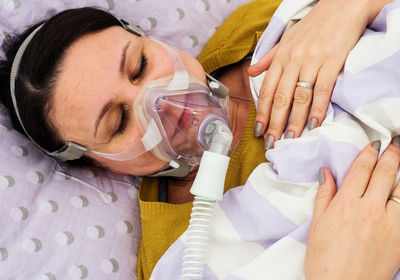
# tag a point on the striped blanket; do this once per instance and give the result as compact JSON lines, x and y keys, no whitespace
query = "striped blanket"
{"x":259,"y":230}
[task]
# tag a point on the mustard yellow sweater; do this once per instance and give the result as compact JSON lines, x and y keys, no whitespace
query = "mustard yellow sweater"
{"x":163,"y":223}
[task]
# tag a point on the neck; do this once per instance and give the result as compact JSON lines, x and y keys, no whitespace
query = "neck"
{"x":240,"y":98}
{"x":235,"y":77}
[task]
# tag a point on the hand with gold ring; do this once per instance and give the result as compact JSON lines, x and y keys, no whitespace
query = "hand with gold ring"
{"x":304,"y":65}
{"x":355,"y":233}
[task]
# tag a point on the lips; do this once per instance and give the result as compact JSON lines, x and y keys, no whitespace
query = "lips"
{"x":185,"y":117}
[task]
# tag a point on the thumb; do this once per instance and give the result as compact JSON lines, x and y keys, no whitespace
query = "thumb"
{"x":325,"y":194}
{"x":263,"y":64}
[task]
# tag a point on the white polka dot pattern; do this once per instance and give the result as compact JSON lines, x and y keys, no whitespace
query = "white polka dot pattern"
{"x":133,"y":260}
{"x":124,"y":227}
{"x":19,"y":151}
{"x":48,"y":206}
{"x":95,"y":232}
{"x":32,"y":245}
{"x":50,"y":217}
{"x":6,"y":182}
{"x":19,"y":213}
{"x":46,"y":276}
{"x":72,"y":223}
{"x":132,"y":193}
{"x":109,"y":197}
{"x":3,"y":254}
{"x":78,"y":272}
{"x":35,"y":177}
{"x":64,"y":238}
{"x":79,"y":201}
{"x":109,"y":266}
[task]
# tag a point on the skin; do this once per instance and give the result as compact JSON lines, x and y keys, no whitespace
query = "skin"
{"x":313,"y":50}
{"x":355,"y":232}
{"x":90,"y":75}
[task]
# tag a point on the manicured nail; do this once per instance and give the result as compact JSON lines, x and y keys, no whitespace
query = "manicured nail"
{"x":257,"y":129}
{"x":270,"y":142}
{"x":396,"y":141}
{"x":376,"y":145}
{"x":321,"y":176}
{"x":289,"y":135}
{"x":313,"y":123}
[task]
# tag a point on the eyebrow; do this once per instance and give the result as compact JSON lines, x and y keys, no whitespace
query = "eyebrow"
{"x":123,"y":57}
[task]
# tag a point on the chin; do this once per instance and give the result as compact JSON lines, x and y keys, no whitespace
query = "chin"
{"x":133,"y":168}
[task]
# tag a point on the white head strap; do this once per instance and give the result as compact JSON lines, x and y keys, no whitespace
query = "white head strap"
{"x":70,"y":150}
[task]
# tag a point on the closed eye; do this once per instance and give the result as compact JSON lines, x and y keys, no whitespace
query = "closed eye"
{"x":123,"y":120}
{"x":139,"y":74}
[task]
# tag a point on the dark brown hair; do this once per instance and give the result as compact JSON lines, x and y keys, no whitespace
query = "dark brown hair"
{"x":39,"y":68}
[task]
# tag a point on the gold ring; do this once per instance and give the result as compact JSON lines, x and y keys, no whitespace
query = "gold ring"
{"x":395,"y":198}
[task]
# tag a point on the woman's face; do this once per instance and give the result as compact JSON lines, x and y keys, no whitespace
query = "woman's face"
{"x":98,"y":82}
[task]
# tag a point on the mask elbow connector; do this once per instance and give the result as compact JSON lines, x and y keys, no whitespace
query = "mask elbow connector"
{"x":210,"y":178}
{"x":221,"y":139}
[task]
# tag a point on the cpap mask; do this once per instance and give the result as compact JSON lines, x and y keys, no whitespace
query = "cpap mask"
{"x":173,"y":115}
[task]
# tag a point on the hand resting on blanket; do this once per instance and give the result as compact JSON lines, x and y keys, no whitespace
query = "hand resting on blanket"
{"x":355,"y":233}
{"x":314,"y":51}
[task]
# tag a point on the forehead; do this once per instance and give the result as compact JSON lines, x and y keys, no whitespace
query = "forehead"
{"x":88,"y":75}
{"x":101,"y":49}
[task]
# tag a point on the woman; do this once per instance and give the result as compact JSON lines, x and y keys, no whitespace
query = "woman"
{"x":103,"y":58}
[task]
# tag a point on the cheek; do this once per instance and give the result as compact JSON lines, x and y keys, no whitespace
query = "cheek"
{"x":193,"y":66}
{"x":163,"y":63}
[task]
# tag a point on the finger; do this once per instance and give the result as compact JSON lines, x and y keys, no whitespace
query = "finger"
{"x":384,"y":176}
{"x":263,"y":64}
{"x":357,"y":178}
{"x":266,"y":97}
{"x":322,"y":93}
{"x":282,"y":102}
{"x":302,"y":101}
{"x":325,"y":194}
{"x":393,"y":205}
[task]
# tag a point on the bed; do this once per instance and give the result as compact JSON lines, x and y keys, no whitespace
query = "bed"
{"x":59,"y":222}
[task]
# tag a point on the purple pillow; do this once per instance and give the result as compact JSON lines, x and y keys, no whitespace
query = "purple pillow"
{"x":62,"y":223}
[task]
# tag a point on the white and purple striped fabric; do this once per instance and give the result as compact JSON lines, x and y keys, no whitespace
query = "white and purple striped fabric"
{"x":259,"y":230}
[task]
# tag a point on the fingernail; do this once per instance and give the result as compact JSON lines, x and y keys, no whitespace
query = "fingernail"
{"x":313,"y":123}
{"x":270,"y":142}
{"x":289,"y":135}
{"x":396,"y":141}
{"x":321,"y":175}
{"x":257,"y":129}
{"x":376,"y":145}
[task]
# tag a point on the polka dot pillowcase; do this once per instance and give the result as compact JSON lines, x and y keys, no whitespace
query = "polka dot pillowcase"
{"x":185,"y":24}
{"x":59,"y":222}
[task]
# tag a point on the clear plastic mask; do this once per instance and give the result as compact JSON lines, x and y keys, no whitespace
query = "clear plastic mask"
{"x":173,"y":113}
